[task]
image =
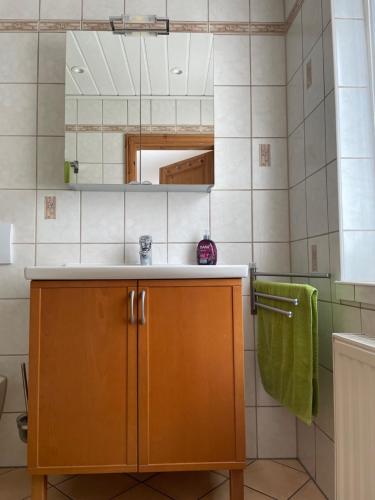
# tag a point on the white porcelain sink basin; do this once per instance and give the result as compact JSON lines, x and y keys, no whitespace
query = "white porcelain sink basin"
{"x":98,"y":272}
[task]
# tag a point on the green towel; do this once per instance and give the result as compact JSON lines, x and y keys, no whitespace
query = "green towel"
{"x":288,"y":348}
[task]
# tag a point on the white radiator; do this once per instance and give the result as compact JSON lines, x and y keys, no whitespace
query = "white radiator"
{"x":354,"y":386}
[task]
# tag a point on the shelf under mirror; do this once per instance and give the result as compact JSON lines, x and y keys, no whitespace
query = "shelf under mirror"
{"x":144,"y":188}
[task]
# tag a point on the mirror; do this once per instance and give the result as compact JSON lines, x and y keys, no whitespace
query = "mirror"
{"x":139,"y":109}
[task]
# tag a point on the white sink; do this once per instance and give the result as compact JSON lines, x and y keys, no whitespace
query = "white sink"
{"x":99,"y":272}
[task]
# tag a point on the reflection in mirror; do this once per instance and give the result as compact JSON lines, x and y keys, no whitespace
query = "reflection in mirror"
{"x":170,"y":158}
{"x":123,"y":93}
{"x":177,"y":101}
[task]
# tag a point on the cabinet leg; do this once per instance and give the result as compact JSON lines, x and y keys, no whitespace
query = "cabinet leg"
{"x":38,"y":487}
{"x":236,"y":485}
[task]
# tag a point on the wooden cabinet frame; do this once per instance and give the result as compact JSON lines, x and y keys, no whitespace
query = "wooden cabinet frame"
{"x":136,"y":142}
{"x":137,"y":362}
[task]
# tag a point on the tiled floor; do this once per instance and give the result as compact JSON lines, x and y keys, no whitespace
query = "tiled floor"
{"x":264,"y":480}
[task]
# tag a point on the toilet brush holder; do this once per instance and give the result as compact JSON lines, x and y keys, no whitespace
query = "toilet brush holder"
{"x":22,"y":420}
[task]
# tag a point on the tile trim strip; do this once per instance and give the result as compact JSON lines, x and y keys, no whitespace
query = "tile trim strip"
{"x":60,"y":26}
{"x":134,"y":129}
{"x":293,"y":14}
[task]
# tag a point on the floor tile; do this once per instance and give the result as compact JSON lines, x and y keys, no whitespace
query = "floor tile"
{"x":15,"y":485}
{"x":186,"y":485}
{"x":59,"y":479}
{"x":222,"y":493}
{"x":4,"y":470}
{"x":290,"y":462}
{"x":274,"y":479}
{"x":142,"y":492}
{"x":309,"y":492}
{"x":142,"y":476}
{"x":96,"y":487}
{"x":54,"y":494}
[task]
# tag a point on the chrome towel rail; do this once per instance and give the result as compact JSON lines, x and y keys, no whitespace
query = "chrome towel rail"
{"x":288,"y":314}
{"x":295,"y":302}
{"x":254,"y":294}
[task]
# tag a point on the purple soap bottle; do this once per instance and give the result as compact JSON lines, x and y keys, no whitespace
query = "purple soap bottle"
{"x":206,"y":251}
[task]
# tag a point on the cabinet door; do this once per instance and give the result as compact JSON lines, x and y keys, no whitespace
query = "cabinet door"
{"x":190,"y":375}
{"x":83,"y":377}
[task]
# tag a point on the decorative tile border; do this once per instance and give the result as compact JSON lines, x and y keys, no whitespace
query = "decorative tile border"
{"x":241,"y":28}
{"x":293,"y":14}
{"x":6,"y":26}
{"x":134,"y":129}
{"x":185,"y":27}
{"x":267,"y":28}
{"x":60,"y":26}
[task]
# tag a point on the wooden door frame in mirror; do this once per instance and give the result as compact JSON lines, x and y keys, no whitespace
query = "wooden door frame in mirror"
{"x":135,"y":142}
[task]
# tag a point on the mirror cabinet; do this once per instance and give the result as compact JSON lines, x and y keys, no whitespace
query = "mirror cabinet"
{"x":139,"y":111}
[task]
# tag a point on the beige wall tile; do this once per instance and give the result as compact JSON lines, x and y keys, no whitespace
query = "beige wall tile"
{"x":267,"y":11}
{"x":66,"y":227}
{"x":18,"y":57}
{"x":68,"y":9}
{"x":17,"y":162}
{"x":269,"y":112}
{"x":18,"y":208}
{"x":268,"y":60}
{"x":311,"y":24}
{"x":22,"y":9}
{"x":294,"y":46}
{"x":102,"y":217}
{"x":14,"y":326}
{"x":271,"y":216}
{"x":251,"y":433}
{"x":50,"y":162}
{"x":52,"y":57}
{"x":274,"y":175}
{"x":306,"y":446}
{"x":18,"y":109}
{"x":250,"y":398}
{"x":105,"y":254}
{"x":180,"y":10}
{"x":51,"y":109}
{"x":235,"y":11}
{"x":325,"y":475}
{"x":233,"y":163}
{"x":146,"y":7}
{"x":276,"y":432}
{"x":57,"y":254}
{"x":12,"y":281}
{"x":188,"y":216}
{"x":146,"y":213}
{"x":232,"y":60}
{"x":102,"y":9}
{"x":231,"y":216}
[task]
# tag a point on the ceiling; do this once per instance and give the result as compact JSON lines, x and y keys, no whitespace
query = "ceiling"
{"x":115,"y":65}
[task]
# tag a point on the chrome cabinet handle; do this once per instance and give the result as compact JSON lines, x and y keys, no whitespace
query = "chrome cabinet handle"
{"x":132,"y":317}
{"x":143,"y":297}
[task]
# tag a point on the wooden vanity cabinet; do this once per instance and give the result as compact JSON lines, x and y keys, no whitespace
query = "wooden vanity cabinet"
{"x":190,"y":378}
{"x":154,"y":384}
{"x":83,"y":377}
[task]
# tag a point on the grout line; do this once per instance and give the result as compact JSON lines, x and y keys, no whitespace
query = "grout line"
{"x":299,"y":489}
{"x":250,"y":488}
{"x":225,"y":480}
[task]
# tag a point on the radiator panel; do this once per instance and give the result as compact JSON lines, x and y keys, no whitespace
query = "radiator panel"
{"x":354,"y":383}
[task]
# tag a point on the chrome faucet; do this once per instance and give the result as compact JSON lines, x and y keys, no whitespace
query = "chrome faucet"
{"x":145,"y":251}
